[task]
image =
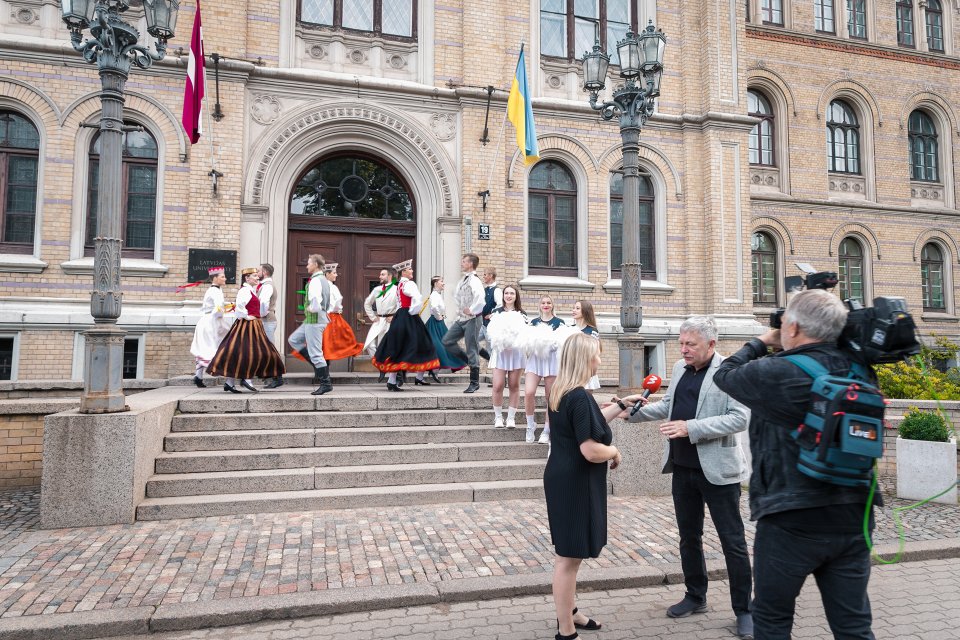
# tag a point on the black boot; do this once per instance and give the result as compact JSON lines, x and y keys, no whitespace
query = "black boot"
{"x":474,"y":380}
{"x":381,"y":377}
{"x":306,"y":356}
{"x":433,"y":376}
{"x":401,"y":378}
{"x":274,"y":383}
{"x":326,"y":385}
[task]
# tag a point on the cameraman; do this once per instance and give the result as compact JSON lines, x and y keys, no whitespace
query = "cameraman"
{"x":804,"y":526}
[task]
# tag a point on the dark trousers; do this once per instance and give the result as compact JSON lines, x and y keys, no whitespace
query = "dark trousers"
{"x":691,"y":491}
{"x":469,"y":330}
{"x":840,"y":563}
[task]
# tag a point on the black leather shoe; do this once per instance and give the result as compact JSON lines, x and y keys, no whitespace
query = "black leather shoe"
{"x":247,"y":385}
{"x":401,"y":378}
{"x":393,"y":387}
{"x":417,"y":382}
{"x":433,"y":376}
{"x":745,"y":626}
{"x":230,"y":389}
{"x":381,"y":377}
{"x":685,"y":607}
{"x":197,"y":380}
{"x":278,"y":382}
{"x":271,"y":383}
{"x":484,"y":354}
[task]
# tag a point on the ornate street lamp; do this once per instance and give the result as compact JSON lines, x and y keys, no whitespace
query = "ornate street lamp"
{"x":113,"y":47}
{"x":641,"y":67}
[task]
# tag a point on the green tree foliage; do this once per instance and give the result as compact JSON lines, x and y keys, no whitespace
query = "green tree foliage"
{"x":926,"y":376}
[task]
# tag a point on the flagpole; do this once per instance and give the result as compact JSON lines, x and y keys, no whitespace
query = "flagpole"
{"x":503,"y":125}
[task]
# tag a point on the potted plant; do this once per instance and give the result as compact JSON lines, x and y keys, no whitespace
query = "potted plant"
{"x":926,"y":457}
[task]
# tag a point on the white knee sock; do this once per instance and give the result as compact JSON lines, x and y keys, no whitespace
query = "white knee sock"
{"x":511,"y":412}
{"x":420,"y":376}
{"x":498,"y":411}
{"x":231,"y":382}
{"x":531,"y":422}
{"x":200,"y":370}
{"x":392,"y":378}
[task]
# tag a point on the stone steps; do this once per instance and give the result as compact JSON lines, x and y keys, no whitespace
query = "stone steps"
{"x":308,"y":478}
{"x":316,"y":499}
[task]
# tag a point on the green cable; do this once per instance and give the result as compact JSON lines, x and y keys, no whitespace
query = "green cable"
{"x":898,"y":522}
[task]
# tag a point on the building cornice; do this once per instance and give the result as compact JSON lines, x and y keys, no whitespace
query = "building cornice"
{"x":839,"y":205}
{"x":844,"y":45}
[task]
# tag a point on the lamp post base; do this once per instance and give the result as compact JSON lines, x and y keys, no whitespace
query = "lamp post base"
{"x":103,"y":374}
{"x":632,"y":365}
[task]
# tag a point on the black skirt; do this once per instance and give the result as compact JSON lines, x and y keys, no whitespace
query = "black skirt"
{"x":407,"y":346}
{"x":246,"y":352}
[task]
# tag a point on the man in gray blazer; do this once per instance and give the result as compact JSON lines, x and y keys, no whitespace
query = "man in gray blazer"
{"x":708,"y":466}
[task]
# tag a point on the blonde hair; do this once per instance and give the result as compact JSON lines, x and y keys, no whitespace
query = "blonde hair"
{"x":576,"y":358}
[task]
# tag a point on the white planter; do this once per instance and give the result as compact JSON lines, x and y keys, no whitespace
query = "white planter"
{"x":925,"y":469}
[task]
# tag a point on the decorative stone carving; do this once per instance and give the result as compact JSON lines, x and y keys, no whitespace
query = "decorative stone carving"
{"x":357,"y":56}
{"x":24,"y":15}
{"x":765,"y":178}
{"x":316,"y":51}
{"x":554,"y":81}
{"x":396,"y":61}
{"x":855,"y":186}
{"x":265,"y":109}
{"x":444,"y":126}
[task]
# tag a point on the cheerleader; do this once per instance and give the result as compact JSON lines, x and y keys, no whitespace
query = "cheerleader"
{"x":541,"y":366}
{"x":212,"y":326}
{"x":339,"y":341}
{"x":437,"y":328}
{"x":246,"y":352}
{"x":507,"y":323}
{"x":407,"y":345}
{"x":585,"y":320}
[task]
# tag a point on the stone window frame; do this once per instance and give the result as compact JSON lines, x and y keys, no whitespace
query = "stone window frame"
{"x":925,"y":138}
{"x":863,"y":109}
{"x":942,"y":120}
{"x":81,"y":264}
{"x":376,"y":32}
{"x":779,"y":251}
{"x":15,"y":360}
{"x":780,"y":105}
{"x":29,"y":261}
{"x":946,"y":29}
{"x":945,"y":277}
{"x":866,"y":270}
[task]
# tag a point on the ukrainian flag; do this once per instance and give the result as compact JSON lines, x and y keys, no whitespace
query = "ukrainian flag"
{"x":520,"y":112}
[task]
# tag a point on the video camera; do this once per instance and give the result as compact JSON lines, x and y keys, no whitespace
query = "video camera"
{"x":881,"y":334}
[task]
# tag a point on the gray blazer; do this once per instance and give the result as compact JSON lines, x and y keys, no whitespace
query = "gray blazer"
{"x":719,"y":418}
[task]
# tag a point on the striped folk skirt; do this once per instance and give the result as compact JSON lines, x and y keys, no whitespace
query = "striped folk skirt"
{"x":246,"y":353}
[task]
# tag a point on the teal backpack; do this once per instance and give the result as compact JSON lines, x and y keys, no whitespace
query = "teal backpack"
{"x":842,"y":434}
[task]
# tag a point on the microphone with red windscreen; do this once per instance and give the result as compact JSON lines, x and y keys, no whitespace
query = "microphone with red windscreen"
{"x":651,"y":384}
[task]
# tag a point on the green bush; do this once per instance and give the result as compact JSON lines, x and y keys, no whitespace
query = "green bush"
{"x":924,"y":425}
{"x":923,"y":377}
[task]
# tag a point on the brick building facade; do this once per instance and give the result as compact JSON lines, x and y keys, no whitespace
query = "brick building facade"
{"x":353,"y":128}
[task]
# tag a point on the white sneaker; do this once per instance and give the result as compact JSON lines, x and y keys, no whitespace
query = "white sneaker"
{"x":544,"y":437}
{"x":511,"y":423}
{"x":531,"y":435}
{"x":498,"y":422}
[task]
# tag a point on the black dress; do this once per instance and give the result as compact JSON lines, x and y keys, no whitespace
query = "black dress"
{"x":576,"y":489}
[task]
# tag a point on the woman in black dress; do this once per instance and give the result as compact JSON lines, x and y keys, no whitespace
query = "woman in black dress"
{"x":575,"y":479}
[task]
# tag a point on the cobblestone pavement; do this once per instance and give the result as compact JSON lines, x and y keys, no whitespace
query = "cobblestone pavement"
{"x":911,"y":601}
{"x":204,"y":559}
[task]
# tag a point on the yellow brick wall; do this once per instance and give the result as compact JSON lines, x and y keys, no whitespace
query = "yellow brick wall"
{"x":21,"y":450}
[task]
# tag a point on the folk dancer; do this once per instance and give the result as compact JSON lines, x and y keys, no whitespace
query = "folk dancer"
{"x":585,"y":320}
{"x":437,"y":327}
{"x":307,"y":340}
{"x":508,"y":323}
{"x":407,"y":345}
{"x":339,"y":341}
{"x":470,"y":301}
{"x":380,"y":306}
{"x":268,"y":311}
{"x":212,"y":326}
{"x":541,"y":366}
{"x":493,"y":299}
{"x":246,"y":352}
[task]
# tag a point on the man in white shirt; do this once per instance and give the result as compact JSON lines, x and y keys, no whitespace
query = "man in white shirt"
{"x":470,"y":299}
{"x":308,"y":338}
{"x":380,"y":307}
{"x":268,"y":311}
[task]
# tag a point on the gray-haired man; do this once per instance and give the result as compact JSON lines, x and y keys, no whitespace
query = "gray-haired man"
{"x":708,"y":466}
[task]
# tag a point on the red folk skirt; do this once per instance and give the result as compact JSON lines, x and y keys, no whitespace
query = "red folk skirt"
{"x":339,"y":341}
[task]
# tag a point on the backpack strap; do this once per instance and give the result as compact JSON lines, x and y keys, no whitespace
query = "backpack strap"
{"x":808,"y":365}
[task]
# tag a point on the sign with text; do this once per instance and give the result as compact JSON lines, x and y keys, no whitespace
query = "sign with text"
{"x":483,"y":231}
{"x":199,"y":261}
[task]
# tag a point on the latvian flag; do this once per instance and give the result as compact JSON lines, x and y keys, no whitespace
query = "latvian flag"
{"x":193,"y":91}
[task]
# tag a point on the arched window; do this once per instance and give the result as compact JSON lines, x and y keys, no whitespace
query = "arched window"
{"x":763,"y":254}
{"x":931,"y":277}
{"x":857,"y":19}
{"x":771,"y":12}
{"x":762,"y":135}
{"x":570,"y":27}
{"x":396,"y":19}
{"x":923,"y":147}
{"x":648,"y":257}
{"x":905,"y":36}
{"x":934,"y":26}
{"x":352,"y":186}
{"x":139,"y":193}
{"x":843,"y":138}
{"x":824,"y":16}
{"x":552,"y":233}
{"x":851,"y":270}
{"x":19,"y":160}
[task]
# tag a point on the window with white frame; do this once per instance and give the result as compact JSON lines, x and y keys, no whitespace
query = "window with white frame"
{"x":762,"y":140}
{"x":568,"y":28}
{"x":934,"y":23}
{"x":392,"y":19}
{"x":9,"y":346}
{"x":843,"y":138}
{"x":824,"y":17}
{"x":771,"y":12}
